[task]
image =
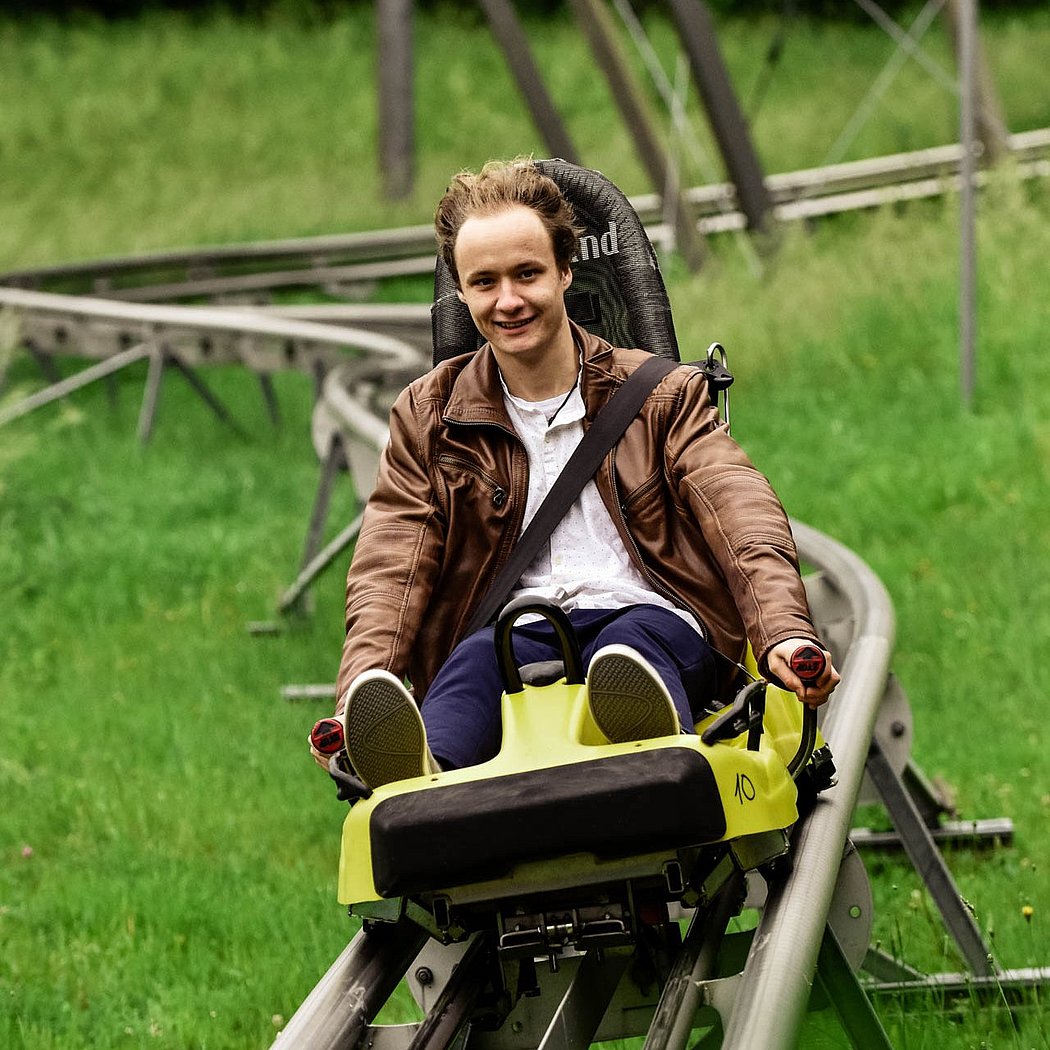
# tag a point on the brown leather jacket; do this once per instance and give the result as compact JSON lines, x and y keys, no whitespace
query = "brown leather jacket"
{"x":695,"y":515}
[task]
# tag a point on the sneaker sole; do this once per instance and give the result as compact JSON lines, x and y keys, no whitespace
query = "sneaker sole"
{"x":626,"y":703}
{"x":390,"y":743}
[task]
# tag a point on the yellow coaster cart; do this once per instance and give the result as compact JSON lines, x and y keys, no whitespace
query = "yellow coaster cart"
{"x":539,"y":899}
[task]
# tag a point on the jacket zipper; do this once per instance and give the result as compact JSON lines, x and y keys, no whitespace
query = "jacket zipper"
{"x":502,"y":554}
{"x":499,"y":492}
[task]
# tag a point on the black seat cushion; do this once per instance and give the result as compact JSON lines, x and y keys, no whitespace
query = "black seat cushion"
{"x":610,"y":807}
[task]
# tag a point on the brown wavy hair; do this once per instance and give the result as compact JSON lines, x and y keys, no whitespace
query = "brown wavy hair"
{"x":498,"y":186}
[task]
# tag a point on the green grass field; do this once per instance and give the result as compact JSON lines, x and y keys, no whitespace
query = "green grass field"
{"x":168,"y":851}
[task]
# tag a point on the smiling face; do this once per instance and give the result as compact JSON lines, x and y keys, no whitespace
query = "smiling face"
{"x":515,"y":291}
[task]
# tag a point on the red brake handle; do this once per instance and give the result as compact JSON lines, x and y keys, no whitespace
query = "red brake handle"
{"x":808,"y":662}
{"x":327,"y":736}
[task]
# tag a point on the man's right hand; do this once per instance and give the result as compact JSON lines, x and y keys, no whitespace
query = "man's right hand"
{"x":320,"y":759}
{"x":813,"y":694}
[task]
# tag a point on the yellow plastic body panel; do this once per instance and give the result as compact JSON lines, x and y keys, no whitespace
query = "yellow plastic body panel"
{"x":550,"y":726}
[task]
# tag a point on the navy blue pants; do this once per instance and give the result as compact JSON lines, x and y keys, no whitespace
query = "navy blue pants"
{"x":461,"y":710}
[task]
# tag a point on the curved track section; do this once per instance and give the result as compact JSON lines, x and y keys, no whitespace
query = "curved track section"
{"x":775,"y":984}
{"x":118,"y":334}
{"x":99,"y":328}
{"x":342,"y":263}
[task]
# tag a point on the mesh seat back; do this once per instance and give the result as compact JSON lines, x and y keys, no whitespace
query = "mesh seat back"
{"x":617,"y":291}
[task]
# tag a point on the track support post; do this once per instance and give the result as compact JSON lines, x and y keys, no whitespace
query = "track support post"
{"x":855,"y":1012}
{"x":926,"y":858}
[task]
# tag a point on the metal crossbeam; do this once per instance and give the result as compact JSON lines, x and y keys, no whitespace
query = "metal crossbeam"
{"x":583,"y":1006}
{"x":928,"y":862}
{"x":64,"y":387}
{"x":993,"y":831}
{"x":1011,"y":987}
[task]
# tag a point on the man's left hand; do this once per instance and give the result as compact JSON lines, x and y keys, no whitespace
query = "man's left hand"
{"x":815,"y":693}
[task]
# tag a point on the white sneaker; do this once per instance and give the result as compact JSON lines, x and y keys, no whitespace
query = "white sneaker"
{"x":628,"y":699}
{"x":383,"y":731}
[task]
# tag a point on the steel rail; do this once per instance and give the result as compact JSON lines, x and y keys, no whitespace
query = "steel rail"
{"x":772,"y":994}
{"x":380,"y":316}
{"x":369,"y":256}
{"x":696,"y":963}
{"x":408,"y":321}
{"x":253,"y":255}
{"x":153,"y":323}
{"x":860,"y":199}
{"x":336,"y":1014}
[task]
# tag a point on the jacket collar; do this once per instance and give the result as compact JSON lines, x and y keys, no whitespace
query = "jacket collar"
{"x":477,"y":394}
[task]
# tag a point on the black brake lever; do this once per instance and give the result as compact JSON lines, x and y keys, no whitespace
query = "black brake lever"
{"x":351,"y":788}
{"x":327,"y":737}
{"x":736,"y":718}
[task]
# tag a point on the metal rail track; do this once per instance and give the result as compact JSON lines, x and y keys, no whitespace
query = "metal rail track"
{"x":97,"y":328}
{"x":774,"y":987}
{"x":335,"y":262}
{"x":119,"y":334}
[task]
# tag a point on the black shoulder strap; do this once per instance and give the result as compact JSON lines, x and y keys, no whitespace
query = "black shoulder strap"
{"x":604,"y":432}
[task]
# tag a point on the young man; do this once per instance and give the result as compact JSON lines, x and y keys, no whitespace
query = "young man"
{"x":676,"y":551}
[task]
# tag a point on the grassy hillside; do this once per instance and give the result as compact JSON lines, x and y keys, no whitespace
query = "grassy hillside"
{"x":168,"y":851}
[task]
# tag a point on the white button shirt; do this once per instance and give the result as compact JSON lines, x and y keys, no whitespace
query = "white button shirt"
{"x":584,"y":564}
